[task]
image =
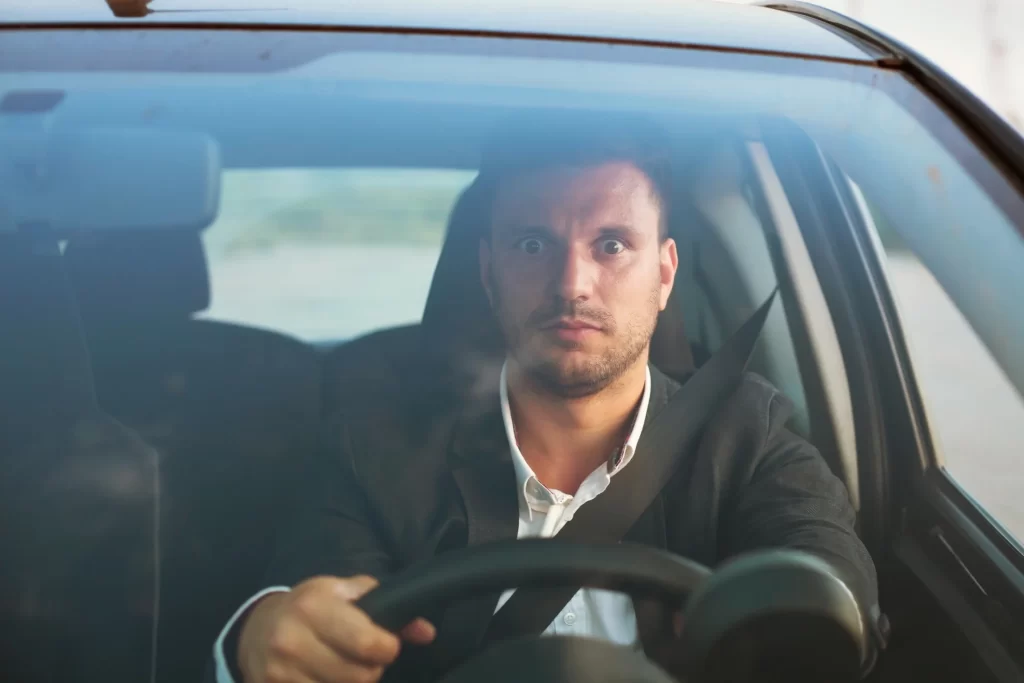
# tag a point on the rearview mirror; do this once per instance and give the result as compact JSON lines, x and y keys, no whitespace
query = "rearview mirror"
{"x":97,"y":179}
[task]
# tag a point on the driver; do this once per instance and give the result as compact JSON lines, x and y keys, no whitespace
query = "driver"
{"x":577,"y":263}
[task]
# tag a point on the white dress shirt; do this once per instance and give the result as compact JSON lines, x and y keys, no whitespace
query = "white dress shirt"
{"x":542,"y":513}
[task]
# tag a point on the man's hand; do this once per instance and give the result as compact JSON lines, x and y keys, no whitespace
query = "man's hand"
{"x":314,"y":634}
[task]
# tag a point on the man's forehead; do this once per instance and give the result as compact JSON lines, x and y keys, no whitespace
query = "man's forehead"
{"x":615,"y":189}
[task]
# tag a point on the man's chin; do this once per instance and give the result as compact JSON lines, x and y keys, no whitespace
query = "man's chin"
{"x":569,"y":377}
{"x":568,"y":363}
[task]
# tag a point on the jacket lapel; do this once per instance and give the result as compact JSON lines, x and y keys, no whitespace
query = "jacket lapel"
{"x":481,"y":464}
{"x":652,"y":619}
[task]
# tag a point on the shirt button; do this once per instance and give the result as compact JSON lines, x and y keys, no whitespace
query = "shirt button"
{"x":569,"y":619}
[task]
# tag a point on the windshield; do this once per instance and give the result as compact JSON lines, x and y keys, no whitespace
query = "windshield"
{"x":205,"y":244}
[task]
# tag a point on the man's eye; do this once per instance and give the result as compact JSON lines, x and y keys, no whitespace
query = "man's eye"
{"x":612,"y":247}
{"x":531,"y":245}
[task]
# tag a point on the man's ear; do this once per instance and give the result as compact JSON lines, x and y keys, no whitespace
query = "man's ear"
{"x":485,"y":269}
{"x":669,"y":256}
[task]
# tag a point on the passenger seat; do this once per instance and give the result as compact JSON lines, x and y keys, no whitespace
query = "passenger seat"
{"x":232,"y":411}
{"x":78,"y":562}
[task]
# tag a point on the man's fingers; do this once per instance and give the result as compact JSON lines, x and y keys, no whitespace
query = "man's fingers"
{"x":351,"y":671}
{"x":348,"y":630}
{"x":315,"y":634}
{"x":291,"y":676}
{"x":354,"y":588}
{"x":323,"y":665}
{"x":419,"y":632}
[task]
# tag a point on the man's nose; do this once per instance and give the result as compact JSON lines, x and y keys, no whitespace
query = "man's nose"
{"x":576,"y":273}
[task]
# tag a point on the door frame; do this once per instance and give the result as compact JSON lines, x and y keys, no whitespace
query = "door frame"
{"x":913,"y":514}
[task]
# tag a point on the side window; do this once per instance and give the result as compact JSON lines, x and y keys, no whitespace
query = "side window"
{"x":975,"y":412}
{"x":327,"y":254}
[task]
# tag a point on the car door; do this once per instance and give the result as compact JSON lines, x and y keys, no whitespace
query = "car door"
{"x":958,"y":514}
{"x":921,"y":258}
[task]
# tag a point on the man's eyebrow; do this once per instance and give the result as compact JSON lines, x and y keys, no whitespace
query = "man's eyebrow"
{"x":523,"y":229}
{"x":617,"y":230}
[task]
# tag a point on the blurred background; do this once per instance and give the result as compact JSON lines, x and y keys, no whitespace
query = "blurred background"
{"x":979,"y":42}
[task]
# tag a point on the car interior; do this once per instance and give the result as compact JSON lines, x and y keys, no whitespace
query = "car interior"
{"x":203,"y":427}
{"x":233,"y":410}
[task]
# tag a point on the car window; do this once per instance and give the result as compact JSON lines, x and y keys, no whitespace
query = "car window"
{"x":975,"y":410}
{"x":326,"y":255}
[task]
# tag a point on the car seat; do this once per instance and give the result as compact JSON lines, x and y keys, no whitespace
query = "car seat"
{"x":78,"y":494}
{"x":232,"y":411}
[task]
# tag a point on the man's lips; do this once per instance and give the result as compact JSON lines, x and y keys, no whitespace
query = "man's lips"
{"x":570,"y":324}
{"x":571,"y":330}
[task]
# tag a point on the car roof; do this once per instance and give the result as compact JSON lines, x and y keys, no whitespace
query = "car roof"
{"x":699,"y":23}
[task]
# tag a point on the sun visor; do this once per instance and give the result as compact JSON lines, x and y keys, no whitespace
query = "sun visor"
{"x":84,"y":180}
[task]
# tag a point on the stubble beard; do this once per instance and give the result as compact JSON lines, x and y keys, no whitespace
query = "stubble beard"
{"x":586,"y":376}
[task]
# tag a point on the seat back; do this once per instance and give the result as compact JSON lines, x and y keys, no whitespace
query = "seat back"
{"x":78,"y":494}
{"x":233,"y":411}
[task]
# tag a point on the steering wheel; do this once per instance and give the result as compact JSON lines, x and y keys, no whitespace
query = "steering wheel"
{"x":771,"y":615}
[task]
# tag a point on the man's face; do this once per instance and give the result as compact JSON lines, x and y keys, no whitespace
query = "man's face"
{"x":576,"y":273}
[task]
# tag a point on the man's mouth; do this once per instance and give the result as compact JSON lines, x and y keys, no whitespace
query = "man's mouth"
{"x":571,"y":329}
{"x":570,"y":324}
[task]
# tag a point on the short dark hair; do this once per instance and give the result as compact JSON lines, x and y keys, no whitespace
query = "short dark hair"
{"x":543,"y":140}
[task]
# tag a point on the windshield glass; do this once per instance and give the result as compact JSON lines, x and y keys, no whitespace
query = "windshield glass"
{"x":206,"y":239}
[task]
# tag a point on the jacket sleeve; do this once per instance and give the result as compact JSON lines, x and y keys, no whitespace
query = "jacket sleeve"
{"x":788,"y":497}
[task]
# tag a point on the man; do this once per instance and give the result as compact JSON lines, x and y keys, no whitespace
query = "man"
{"x":577,"y":264}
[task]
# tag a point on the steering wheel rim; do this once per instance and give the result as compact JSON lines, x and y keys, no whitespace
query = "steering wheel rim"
{"x":752,"y":600}
{"x":495,"y":567}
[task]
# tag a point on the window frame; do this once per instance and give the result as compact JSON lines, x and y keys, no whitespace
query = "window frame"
{"x":815,"y":338}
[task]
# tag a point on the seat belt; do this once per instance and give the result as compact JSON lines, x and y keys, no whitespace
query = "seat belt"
{"x":673,"y":432}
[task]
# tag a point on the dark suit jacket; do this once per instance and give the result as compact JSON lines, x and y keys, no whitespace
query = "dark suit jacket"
{"x":403,"y":478}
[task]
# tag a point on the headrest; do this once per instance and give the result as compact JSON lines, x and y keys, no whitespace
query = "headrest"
{"x":138,"y":275}
{"x":457,"y":318}
{"x":45,"y":375}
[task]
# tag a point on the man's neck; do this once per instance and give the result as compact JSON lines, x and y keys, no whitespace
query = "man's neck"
{"x":564,"y":440}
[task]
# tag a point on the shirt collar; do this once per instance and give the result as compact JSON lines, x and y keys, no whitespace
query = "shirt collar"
{"x":525,"y":474}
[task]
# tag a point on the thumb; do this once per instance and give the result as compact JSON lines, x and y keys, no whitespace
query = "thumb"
{"x":353,"y":588}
